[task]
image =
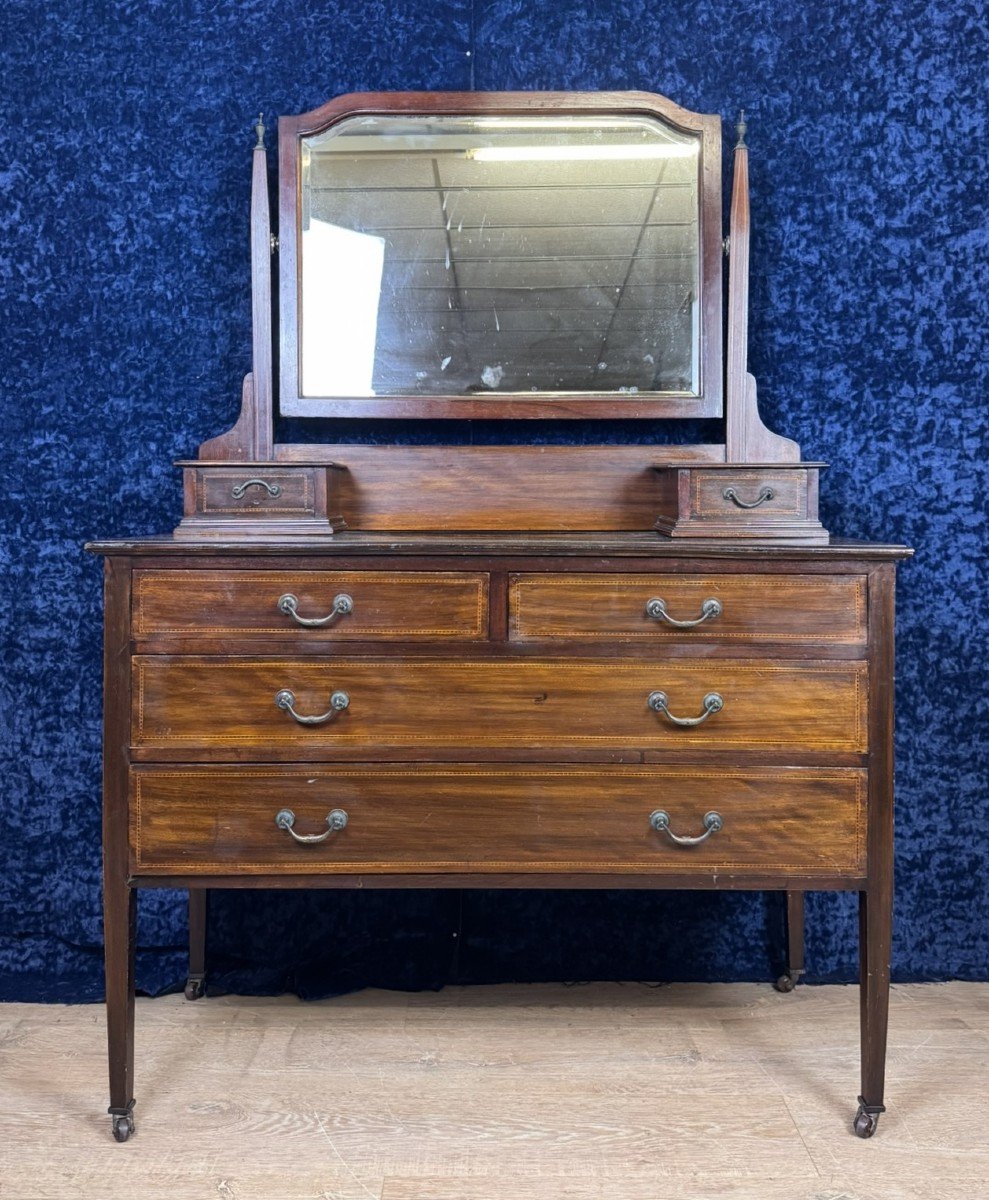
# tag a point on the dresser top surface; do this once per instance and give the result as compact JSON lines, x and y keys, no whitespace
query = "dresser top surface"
{"x":620,"y":545}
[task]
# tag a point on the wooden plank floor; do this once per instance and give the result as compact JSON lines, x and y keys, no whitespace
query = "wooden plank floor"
{"x":597,"y":1092}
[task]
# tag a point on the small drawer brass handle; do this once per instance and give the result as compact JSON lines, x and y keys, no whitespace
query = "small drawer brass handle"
{"x":765,"y":494}
{"x":285,"y":700}
{"x":343,"y":606}
{"x":660,"y":821}
{"x":336,"y":819}
{"x":240,"y":491}
{"x":656,"y":609}
{"x":659,"y":702}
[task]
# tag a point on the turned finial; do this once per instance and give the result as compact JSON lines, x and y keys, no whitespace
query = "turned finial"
{"x":259,"y":130}
{"x":740,"y":129}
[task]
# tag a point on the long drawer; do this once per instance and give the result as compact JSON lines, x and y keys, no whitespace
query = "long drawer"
{"x":202,"y":704}
{"x":326,"y":605}
{"x":460,"y":818}
{"x":720,"y":608}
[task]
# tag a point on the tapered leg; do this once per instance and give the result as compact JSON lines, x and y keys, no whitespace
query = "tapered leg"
{"x":875,"y":929}
{"x":794,"y":943}
{"x":119,"y":932}
{"x":195,"y":985}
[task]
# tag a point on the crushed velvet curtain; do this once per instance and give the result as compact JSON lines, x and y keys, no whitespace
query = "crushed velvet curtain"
{"x":124,"y":289}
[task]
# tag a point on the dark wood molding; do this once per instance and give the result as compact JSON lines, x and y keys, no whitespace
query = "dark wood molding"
{"x":747,"y":438}
{"x":252,"y":435}
{"x":513,"y":406}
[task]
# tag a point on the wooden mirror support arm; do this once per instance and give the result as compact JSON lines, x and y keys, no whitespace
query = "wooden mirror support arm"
{"x":234,"y":489}
{"x":746,"y":438}
{"x":251,"y":438}
{"x":762,"y":490}
{"x":754,"y":486}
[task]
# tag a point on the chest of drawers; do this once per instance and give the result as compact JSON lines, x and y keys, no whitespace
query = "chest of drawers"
{"x":498,"y":711}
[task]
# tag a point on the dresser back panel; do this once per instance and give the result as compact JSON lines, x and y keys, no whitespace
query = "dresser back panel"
{"x":513,"y":488}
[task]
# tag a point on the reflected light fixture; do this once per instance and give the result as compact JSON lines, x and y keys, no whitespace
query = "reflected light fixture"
{"x":574,"y":153}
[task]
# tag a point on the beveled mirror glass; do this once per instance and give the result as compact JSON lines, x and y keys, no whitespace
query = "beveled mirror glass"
{"x":499,"y":258}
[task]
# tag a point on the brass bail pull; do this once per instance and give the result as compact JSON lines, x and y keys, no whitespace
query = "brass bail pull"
{"x":343,"y":606}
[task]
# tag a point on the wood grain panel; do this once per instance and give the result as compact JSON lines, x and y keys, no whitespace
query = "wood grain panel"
{"x":399,"y":604}
{"x":206,"y":704}
{"x":789,"y":490}
{"x":460,"y":818}
{"x":237,"y":491}
{"x":754,"y":607}
{"x":470,"y":488}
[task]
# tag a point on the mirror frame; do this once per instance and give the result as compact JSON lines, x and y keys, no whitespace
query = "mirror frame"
{"x":562,"y":405}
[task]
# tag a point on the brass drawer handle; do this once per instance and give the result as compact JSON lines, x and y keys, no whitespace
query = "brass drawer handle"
{"x":660,"y":821}
{"x":343,"y":606}
{"x":336,"y":819}
{"x":765,"y":494}
{"x":285,"y":700}
{"x":240,"y":491}
{"x":656,"y":609}
{"x":659,"y":702}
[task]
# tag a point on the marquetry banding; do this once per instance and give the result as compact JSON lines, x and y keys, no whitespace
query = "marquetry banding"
{"x":247,"y":508}
{"x":676,"y":865}
{"x":710,"y":673}
{"x":722,"y":479}
{"x":721,"y":586}
{"x":281,"y":582}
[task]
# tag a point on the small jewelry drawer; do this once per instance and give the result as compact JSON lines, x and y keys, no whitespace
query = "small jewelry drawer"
{"x":325,"y":605}
{"x":740,"y":500}
{"x":728,"y":494}
{"x":460,"y":818}
{"x":719,"y":608}
{"x":236,"y":491}
{"x":264,"y":708}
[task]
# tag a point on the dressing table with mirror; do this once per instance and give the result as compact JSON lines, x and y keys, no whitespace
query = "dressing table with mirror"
{"x":499,"y":666}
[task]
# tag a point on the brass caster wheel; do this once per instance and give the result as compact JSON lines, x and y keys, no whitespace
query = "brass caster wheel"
{"x":785,"y":983}
{"x":195,"y":987}
{"x":123,"y":1123}
{"x":866,"y":1122}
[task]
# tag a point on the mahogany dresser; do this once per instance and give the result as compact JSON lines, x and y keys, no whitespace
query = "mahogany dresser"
{"x":527,"y":667}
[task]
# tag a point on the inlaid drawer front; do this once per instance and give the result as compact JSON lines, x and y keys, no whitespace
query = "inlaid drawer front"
{"x":828,"y":608}
{"x":307,"y":707}
{"x":332,"y":605}
{"x":721,"y":494}
{"x":235,"y":492}
{"x":514,"y":818}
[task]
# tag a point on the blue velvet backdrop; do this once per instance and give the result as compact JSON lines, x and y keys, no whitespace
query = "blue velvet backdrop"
{"x":124,"y":167}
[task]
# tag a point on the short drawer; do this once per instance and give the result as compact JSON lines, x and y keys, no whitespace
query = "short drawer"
{"x":304,"y":707}
{"x":735,"y":500}
{"x":819,"y":608}
{"x":457,"y":819}
{"x":331,"y":605}
{"x":234,"y":491}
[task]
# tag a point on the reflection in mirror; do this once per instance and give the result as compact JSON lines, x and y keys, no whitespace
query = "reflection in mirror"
{"x":491,"y":255}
